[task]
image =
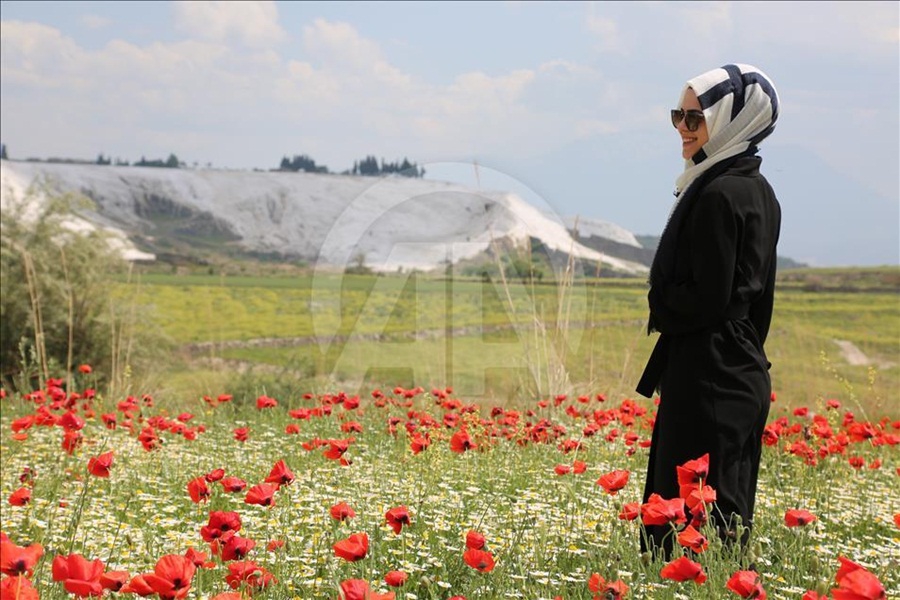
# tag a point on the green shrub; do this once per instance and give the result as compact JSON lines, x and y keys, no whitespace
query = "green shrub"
{"x":57,"y":305}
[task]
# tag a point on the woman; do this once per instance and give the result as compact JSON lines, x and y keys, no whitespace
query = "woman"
{"x":711,"y":291}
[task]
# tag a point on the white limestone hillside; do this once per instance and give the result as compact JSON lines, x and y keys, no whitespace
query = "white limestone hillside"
{"x":393,"y":222}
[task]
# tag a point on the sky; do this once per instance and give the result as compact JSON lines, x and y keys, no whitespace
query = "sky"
{"x":565,"y":103}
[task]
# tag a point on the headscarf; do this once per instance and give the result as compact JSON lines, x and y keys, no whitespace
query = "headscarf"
{"x":740,"y":105}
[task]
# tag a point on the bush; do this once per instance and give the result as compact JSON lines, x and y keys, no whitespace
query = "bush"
{"x":58,"y":299}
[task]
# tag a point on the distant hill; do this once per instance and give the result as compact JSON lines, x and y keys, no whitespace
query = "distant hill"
{"x":385,"y":224}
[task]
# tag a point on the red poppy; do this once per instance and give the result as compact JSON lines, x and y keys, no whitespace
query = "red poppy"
{"x":479,"y":560}
{"x":79,"y":575}
{"x":22,"y":423}
{"x":215,"y":475}
{"x":397,"y":518}
{"x":149,"y":439}
{"x":353,"y":548}
{"x":71,"y":441}
{"x":280,"y":474}
{"x":249,"y":573}
{"x":746,"y":584}
{"x":20,"y":497}
{"x":198,"y":558}
{"x":265,"y":402}
{"x":198,"y":490}
{"x":630,"y":511}
{"x":658,"y":511}
{"x":897,"y":520}
{"x":693,"y":539}
{"x":614,"y":481}
{"x":292,"y":429}
{"x":17,"y":588}
{"x":114,"y":581}
{"x":698,"y":497}
{"x":172,"y":576}
{"x":798,"y":517}
{"x":419,"y":442}
{"x":461,"y":441}
{"x":242,"y":434}
{"x":856,"y":583}
{"x":336,"y":449}
{"x":274,"y":545}
{"x":683,"y":569}
{"x":220,"y":523}
{"x":859,"y":585}
{"x":351,"y":426}
{"x":692,"y":473}
{"x":228,"y":596}
{"x":395,"y":578}
{"x":262,"y":494}
{"x":99,"y":466}
{"x":233,"y":484}
{"x":342,"y":511}
{"x":358,"y":589}
{"x":606,"y":590}
{"x":474,"y":540}
{"x":847,"y":566}
{"x":85,"y":369}
{"x":814,"y":595}
{"x":562,"y":470}
{"x":19,"y":560}
{"x":236,"y":548}
{"x":71,"y":422}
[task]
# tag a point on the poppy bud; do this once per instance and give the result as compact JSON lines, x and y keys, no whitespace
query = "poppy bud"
{"x":822,"y":588}
{"x":646,"y":558}
{"x":814,"y":563}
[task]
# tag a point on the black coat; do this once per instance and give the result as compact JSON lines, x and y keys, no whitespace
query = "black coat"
{"x":711,"y":299}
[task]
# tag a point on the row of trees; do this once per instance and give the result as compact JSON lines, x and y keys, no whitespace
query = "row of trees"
{"x":171,"y":162}
{"x":369,"y":166}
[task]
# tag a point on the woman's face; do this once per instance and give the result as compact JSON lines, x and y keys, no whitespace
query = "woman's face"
{"x":691,"y":141}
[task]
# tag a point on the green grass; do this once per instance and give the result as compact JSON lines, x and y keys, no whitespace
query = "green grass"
{"x":418,"y":330}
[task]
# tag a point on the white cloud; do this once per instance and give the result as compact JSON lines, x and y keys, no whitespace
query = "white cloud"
{"x":338,"y":42}
{"x":94,"y":21}
{"x":606,"y":34}
{"x":254,"y":24}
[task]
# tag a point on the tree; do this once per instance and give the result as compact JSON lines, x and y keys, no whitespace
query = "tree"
{"x":3,"y":152}
{"x":302,"y":162}
{"x":172,"y":161}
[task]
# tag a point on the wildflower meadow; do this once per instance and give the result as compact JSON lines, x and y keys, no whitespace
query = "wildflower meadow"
{"x":415,"y":493}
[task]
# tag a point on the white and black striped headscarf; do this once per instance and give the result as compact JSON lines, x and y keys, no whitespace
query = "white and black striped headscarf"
{"x":740,"y":105}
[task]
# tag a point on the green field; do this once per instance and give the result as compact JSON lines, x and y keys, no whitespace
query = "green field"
{"x":510,"y":341}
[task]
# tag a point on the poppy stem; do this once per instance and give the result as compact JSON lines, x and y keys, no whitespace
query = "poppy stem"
{"x":112,"y":548}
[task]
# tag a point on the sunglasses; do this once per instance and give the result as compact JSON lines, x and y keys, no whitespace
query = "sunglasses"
{"x":691,"y":118}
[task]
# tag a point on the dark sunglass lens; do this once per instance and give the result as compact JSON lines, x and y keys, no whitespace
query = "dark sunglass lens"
{"x":677,"y":116}
{"x":692,"y":119}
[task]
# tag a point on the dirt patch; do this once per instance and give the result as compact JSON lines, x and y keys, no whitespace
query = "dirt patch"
{"x":856,"y":357}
